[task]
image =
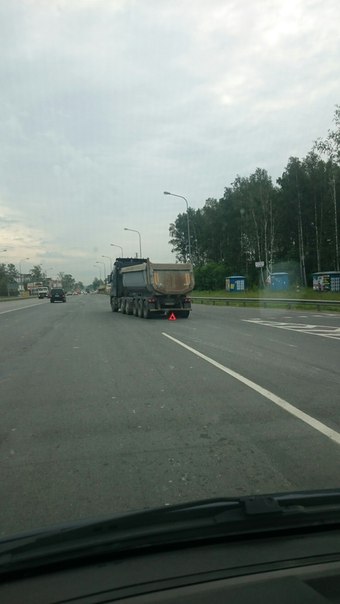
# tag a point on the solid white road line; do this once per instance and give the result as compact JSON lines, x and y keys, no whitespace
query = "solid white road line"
{"x":3,"y":312}
{"x":280,"y":402}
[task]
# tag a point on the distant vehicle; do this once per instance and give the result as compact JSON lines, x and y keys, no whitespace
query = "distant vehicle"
{"x":146,"y":289}
{"x":35,"y":287}
{"x":69,"y":293}
{"x":33,"y":291}
{"x":57,"y":295}
{"x":42,"y":292}
{"x":54,"y":283}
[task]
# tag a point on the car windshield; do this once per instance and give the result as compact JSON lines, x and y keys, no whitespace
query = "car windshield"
{"x":171,"y":172}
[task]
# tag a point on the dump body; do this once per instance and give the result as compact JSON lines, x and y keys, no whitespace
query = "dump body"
{"x":159,"y":279}
{"x":143,"y":288}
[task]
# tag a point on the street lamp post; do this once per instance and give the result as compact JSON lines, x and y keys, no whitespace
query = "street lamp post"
{"x":188,"y":222}
{"x":109,"y":257}
{"x":120,"y":247}
{"x":101,"y":262}
{"x":140,"y":239}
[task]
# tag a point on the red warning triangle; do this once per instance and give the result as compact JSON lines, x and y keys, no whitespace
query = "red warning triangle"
{"x":172,"y":317}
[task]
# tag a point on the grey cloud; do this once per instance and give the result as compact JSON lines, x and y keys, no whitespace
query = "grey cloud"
{"x":104,"y":108}
{"x":5,"y":222}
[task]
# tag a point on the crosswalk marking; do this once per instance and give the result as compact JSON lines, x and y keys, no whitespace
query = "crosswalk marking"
{"x":325,"y":331}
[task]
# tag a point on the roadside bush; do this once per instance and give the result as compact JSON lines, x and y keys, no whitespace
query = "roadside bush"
{"x":211,"y":276}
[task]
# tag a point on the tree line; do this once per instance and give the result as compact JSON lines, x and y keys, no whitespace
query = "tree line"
{"x":10,"y":279}
{"x":292,"y":225}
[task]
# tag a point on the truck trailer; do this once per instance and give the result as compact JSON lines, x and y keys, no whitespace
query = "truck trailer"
{"x":146,"y":289}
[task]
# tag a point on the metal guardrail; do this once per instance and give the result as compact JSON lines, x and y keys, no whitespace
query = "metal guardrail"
{"x":267,"y":301}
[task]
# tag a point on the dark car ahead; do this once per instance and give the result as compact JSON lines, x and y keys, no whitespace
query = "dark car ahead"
{"x":57,"y":295}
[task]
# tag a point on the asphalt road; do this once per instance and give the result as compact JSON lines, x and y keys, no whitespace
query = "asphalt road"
{"x":104,"y":413}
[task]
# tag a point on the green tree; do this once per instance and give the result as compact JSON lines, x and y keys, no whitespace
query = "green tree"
{"x":12,"y":279}
{"x":291,"y":224}
{"x":67,"y":281}
{"x":292,"y":216}
{"x":211,"y":276}
{"x":36,"y":274}
{"x":8,"y":280}
{"x":318,"y":215}
{"x":330,"y":146}
{"x":12,"y":273}
{"x":305,"y":226}
{"x":233,"y":231}
{"x":3,"y":280}
{"x":254,"y":199}
{"x":179,"y":235}
{"x":96,"y":283}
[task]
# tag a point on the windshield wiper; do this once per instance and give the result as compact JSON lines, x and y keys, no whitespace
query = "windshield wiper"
{"x":179,"y":524}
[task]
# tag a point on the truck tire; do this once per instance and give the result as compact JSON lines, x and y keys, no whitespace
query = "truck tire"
{"x":128,"y":307}
{"x":135,"y":308}
{"x":183,"y":314}
{"x":140,"y":308}
{"x":146,"y":312}
{"x":123,"y":307}
{"x":114,"y":307}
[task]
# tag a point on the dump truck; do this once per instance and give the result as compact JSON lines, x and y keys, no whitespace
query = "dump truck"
{"x":146,"y":289}
{"x":42,"y":292}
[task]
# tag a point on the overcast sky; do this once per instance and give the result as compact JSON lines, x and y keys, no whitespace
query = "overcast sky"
{"x":104,"y":104}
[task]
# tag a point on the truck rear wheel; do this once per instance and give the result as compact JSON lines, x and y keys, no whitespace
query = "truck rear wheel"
{"x":135,"y":308}
{"x":140,"y":308}
{"x":146,"y":312}
{"x":128,"y":307}
{"x":183,"y":314}
{"x":114,"y":306}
